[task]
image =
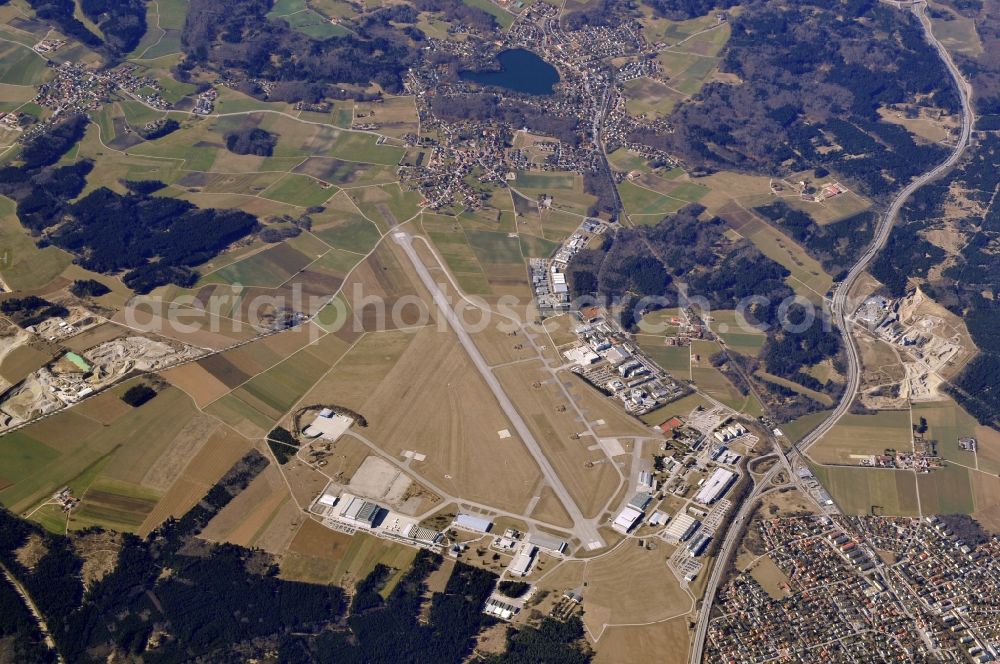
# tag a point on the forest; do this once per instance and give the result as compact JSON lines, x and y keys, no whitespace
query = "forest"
{"x":122,"y":22}
{"x":156,"y":240}
{"x":234,"y":37}
{"x":813,"y":76}
{"x":31,"y":310}
{"x":836,"y":246}
{"x":679,"y":10}
{"x":61,"y":14}
{"x":967,"y":284}
{"x":251,"y":140}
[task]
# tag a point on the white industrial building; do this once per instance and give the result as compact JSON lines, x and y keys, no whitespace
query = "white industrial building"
{"x":681,"y":528}
{"x":548,"y":542}
{"x":328,"y":426}
{"x":420,"y":534}
{"x":581,"y":355}
{"x":523,"y":560}
{"x":715,"y":486}
{"x":500,"y":608}
{"x":476,"y":524}
{"x":627,"y":519}
{"x":360,"y":512}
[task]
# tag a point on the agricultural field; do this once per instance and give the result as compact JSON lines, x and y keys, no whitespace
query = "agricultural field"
{"x":858,"y":436}
{"x":870,"y":490}
{"x":646,"y":206}
{"x":565,"y":190}
{"x":165,"y":19}
{"x":390,"y":116}
{"x":120,"y":461}
{"x":24,"y":265}
{"x":387,"y":205}
{"x":676,"y":360}
{"x":737,"y":332}
{"x":651,"y":98}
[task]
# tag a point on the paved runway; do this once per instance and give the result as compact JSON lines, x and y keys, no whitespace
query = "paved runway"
{"x":584,"y":528}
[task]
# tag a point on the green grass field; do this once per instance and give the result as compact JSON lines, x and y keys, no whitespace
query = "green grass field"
{"x":649,"y":205}
{"x":355,"y":233}
{"x":674,"y":359}
{"x":299,"y":190}
{"x":503,"y":17}
{"x":268,"y":268}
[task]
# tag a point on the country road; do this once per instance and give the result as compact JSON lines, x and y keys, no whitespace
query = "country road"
{"x":841,"y":315}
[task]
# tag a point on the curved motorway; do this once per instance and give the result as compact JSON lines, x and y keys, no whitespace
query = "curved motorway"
{"x":840,"y":312}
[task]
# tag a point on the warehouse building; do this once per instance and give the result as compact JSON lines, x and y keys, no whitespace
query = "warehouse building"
{"x":627,"y":519}
{"x":716,"y":485}
{"x":360,"y":512}
{"x":523,"y":560}
{"x":681,"y":528}
{"x":476,"y":524}
{"x":548,"y":543}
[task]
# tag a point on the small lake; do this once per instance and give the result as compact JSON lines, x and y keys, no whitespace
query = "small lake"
{"x":520,"y":71}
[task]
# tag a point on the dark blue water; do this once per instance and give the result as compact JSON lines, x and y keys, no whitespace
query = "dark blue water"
{"x":520,"y":71}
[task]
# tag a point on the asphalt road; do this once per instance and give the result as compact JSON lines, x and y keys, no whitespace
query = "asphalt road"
{"x":584,"y":528}
{"x":841,"y":312}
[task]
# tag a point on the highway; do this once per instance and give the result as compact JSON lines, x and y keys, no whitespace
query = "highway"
{"x":841,"y":311}
{"x":584,"y":528}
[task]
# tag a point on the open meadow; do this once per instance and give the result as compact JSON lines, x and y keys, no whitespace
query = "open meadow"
{"x":857,"y":436}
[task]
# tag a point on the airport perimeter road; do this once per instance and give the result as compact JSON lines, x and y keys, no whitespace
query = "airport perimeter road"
{"x":840,"y":310}
{"x":583,"y":527}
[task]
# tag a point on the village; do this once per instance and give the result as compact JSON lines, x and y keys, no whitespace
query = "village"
{"x":589,"y":97}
